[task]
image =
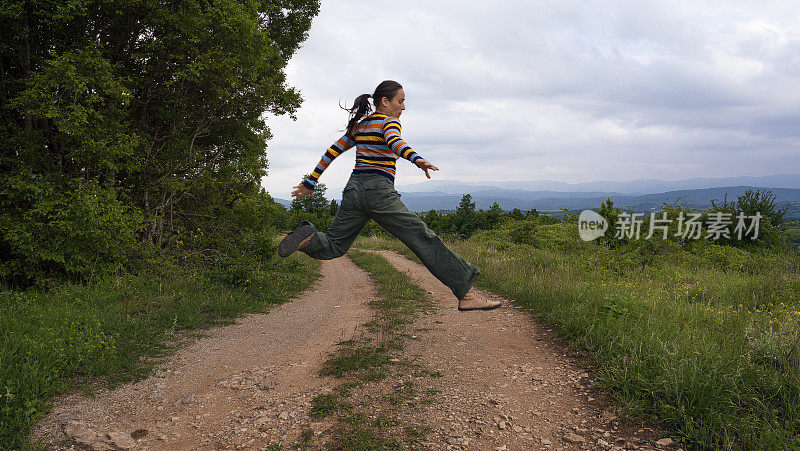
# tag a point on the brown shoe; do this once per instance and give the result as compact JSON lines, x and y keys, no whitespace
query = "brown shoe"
{"x":472,"y":301}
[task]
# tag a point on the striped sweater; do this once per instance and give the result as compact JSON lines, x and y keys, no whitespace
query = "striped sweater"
{"x":378,"y":144}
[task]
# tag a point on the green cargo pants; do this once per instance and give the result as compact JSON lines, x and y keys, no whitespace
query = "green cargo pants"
{"x":372,"y":196}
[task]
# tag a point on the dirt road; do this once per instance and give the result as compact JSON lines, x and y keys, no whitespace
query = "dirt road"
{"x":507,"y":382}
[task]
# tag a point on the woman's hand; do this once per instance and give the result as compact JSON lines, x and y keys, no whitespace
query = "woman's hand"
{"x":425,"y":166}
{"x":301,"y":190}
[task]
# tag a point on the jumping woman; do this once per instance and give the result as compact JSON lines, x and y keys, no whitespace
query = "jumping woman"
{"x":370,"y":194}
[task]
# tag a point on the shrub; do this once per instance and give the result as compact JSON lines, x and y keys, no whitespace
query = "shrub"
{"x":522,"y":232}
{"x":771,"y":228}
{"x":77,"y":230}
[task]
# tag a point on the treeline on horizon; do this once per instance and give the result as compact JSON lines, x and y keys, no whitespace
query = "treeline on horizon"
{"x":773,"y":230}
{"x":132,"y":130}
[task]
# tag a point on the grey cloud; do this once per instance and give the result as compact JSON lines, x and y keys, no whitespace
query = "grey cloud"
{"x":571,"y":88}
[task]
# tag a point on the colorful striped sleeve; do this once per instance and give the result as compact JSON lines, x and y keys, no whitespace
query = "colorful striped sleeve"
{"x":341,"y":145}
{"x":391,"y":134}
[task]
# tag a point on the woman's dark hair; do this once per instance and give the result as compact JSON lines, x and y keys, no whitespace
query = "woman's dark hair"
{"x":361,"y":107}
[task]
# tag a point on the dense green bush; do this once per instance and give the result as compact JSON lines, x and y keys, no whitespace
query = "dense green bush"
{"x":771,"y":231}
{"x":373,"y":229}
{"x":77,"y":232}
{"x":522,"y":232}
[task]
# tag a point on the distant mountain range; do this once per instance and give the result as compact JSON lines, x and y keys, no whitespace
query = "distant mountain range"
{"x":554,"y":201}
{"x":637,"y":195}
{"x":641,"y":186}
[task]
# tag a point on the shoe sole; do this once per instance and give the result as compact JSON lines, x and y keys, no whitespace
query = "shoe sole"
{"x":290,"y":243}
{"x":491,"y":307}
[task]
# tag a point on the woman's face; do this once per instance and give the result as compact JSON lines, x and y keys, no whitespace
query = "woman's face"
{"x":396,"y":105}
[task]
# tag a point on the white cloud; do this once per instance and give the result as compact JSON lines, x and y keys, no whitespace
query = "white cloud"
{"x":565,"y":90}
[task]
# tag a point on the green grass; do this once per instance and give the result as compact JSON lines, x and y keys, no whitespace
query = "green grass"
{"x":355,"y":358}
{"x":402,"y":392}
{"x":113,"y":331}
{"x":326,"y":404}
{"x":360,"y":436}
{"x":702,"y":337}
{"x":306,"y":439}
{"x":793,"y":232}
{"x":381,"y":242}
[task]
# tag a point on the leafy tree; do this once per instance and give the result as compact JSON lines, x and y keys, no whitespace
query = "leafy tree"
{"x":771,"y":230}
{"x":568,"y":216}
{"x":493,"y":216}
{"x":465,"y":219}
{"x":315,"y":209}
{"x":333,"y":208}
{"x":532,"y":214}
{"x":466,"y":207}
{"x":434,"y":220}
{"x":753,"y":202}
{"x":516,"y":214}
{"x":157,"y":108}
{"x":612,"y":214}
{"x":282,"y":217}
{"x":315,"y":204}
{"x":547,"y":219}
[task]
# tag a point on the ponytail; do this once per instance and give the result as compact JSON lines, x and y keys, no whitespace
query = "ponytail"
{"x":361,"y":107}
{"x":359,"y":110}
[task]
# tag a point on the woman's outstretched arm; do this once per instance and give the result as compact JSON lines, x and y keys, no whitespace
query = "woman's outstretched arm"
{"x":336,"y":149}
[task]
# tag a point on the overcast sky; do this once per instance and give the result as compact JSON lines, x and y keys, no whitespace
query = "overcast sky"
{"x":561,"y":90}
